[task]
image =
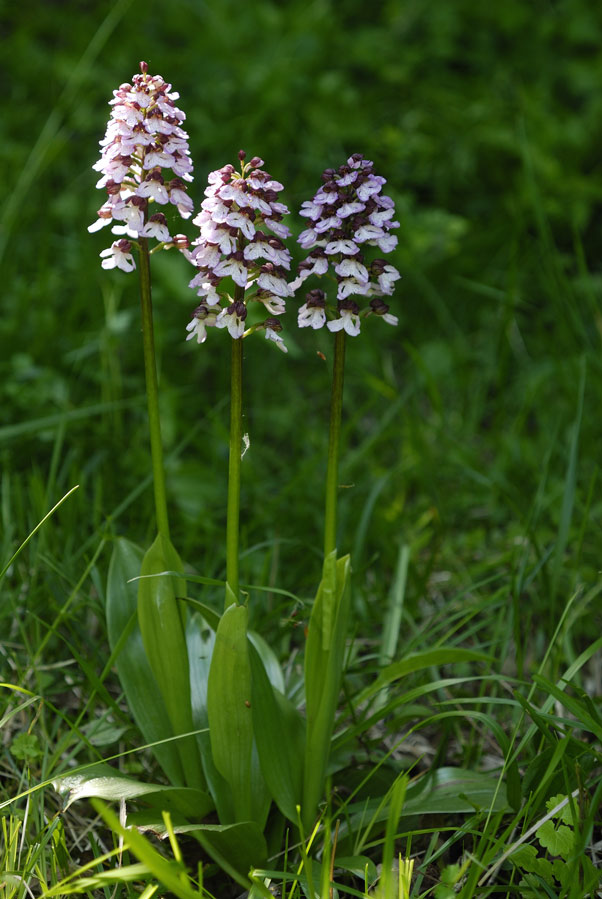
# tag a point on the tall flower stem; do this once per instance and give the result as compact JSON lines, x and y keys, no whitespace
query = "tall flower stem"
{"x":332,"y":471}
{"x":152,"y":390}
{"x":232,"y":526}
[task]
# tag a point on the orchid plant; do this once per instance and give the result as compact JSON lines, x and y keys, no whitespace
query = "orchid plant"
{"x":208,"y":694}
{"x":347,"y":212}
{"x":145,"y":141}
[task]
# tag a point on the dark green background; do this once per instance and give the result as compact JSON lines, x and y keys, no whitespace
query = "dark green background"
{"x":486,"y":121}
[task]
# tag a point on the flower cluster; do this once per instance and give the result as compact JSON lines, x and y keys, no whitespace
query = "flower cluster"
{"x":348,"y":211}
{"x":241,"y":240}
{"x":144,"y":137}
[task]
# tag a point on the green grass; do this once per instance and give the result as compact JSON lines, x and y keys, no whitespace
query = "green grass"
{"x":471,"y":507}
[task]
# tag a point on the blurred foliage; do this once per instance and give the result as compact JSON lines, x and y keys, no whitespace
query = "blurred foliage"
{"x":486,"y":120}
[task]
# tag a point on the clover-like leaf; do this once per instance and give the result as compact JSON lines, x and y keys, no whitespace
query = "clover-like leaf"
{"x":558,"y":841}
{"x":26,"y":748}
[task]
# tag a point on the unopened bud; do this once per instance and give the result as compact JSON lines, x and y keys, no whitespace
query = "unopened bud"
{"x":238,"y":308}
{"x":379,"y":306}
{"x":180,"y":241}
{"x":273,"y":324}
{"x":349,"y":305}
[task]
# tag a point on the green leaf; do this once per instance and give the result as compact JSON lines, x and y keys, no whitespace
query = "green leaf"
{"x":576,"y":706}
{"x":565,"y":814}
{"x":189,"y":802}
{"x":513,"y":786}
{"x":237,"y":848}
{"x":525,"y":858}
{"x":200,"y":638}
{"x":327,"y":604}
{"x":444,"y":791}
{"x":270,"y":661}
{"x":360,"y":866}
{"x":565,"y":875}
{"x":324,"y":659}
{"x":557,"y":840}
{"x":213,"y":582}
{"x":280,"y":737}
{"x":229,"y":707}
{"x":451,"y":874}
{"x":210,"y":616}
{"x":161,"y":625}
{"x":418,"y":661}
{"x":135,"y":674}
{"x":26,"y":748}
{"x":454,"y":790}
{"x":442,"y":891}
{"x":395,"y":803}
{"x":392,"y":622}
{"x":168,"y":872}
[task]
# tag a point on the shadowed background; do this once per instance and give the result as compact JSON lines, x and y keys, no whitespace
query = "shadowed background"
{"x":487,"y":123}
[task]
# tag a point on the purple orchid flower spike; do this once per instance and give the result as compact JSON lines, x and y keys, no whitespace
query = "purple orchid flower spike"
{"x":145,"y":160}
{"x":347,"y":213}
{"x":241,"y":241}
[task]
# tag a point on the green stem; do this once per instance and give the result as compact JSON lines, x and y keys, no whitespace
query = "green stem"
{"x":332,"y":471}
{"x":232,"y":526}
{"x":152,"y":390}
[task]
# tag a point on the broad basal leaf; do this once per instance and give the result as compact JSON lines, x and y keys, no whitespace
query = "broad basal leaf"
{"x":144,"y":698}
{"x":280,"y":737}
{"x":229,"y":708}
{"x":161,"y":625}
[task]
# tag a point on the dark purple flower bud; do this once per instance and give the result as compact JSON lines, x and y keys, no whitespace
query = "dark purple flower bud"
{"x":349,"y":305}
{"x":316,"y":298}
{"x":238,"y":308}
{"x":273,"y":324}
{"x":201,"y":311}
{"x":378,"y":306}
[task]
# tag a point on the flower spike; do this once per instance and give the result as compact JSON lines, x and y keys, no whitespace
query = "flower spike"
{"x":241,"y":239}
{"x":144,"y":138}
{"x":347,"y":213}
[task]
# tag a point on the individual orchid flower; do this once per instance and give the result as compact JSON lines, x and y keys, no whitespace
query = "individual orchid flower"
{"x":143,"y":140}
{"x":203,"y":317}
{"x":348,"y":214}
{"x":240,"y":253}
{"x":313,"y":312}
{"x":272,"y":332}
{"x":348,"y":320}
{"x":119,"y":255}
